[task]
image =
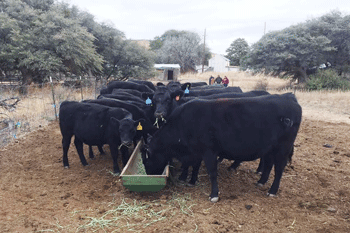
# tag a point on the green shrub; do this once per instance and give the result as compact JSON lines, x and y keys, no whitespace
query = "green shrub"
{"x":327,"y":79}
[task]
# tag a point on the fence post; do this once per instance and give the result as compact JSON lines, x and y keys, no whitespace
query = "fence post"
{"x":81,"y":89}
{"x":95,"y":88}
{"x":53,"y":98}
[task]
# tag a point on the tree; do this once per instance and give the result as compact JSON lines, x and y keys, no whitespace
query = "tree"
{"x":291,"y":51}
{"x":335,"y":27}
{"x":158,"y":41}
{"x":43,"y":40}
{"x":184,"y":49}
{"x":237,"y":50}
{"x":40,"y":37}
{"x":130,"y":60}
{"x":121,"y":58}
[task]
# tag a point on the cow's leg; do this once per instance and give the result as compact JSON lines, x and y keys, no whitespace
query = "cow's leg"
{"x":100,"y":149}
{"x":211,"y":165}
{"x":260,"y":168}
{"x":279,"y":168}
{"x":65,"y":145}
{"x":184,"y":172}
{"x":280,"y":160}
{"x":220,"y":159}
{"x":268,"y":163}
{"x":91,"y":153}
{"x":234,"y":165}
{"x":125,"y":154}
{"x":79,"y":146}
{"x":195,"y":171}
{"x":114,"y":153}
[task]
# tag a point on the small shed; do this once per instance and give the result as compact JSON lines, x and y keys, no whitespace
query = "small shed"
{"x":167,"y":72}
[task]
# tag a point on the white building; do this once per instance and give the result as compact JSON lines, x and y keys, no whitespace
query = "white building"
{"x":219,"y":63}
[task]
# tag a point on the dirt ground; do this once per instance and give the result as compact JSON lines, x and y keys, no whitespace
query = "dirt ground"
{"x":38,"y":195}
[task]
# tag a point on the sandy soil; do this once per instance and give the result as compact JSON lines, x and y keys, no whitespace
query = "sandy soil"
{"x":38,"y":195}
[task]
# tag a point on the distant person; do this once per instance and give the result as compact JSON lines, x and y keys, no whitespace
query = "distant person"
{"x":218,"y":80}
{"x":225,"y":81}
{"x":211,"y":80}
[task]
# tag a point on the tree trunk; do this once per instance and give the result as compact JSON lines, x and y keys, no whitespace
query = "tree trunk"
{"x":301,"y":73}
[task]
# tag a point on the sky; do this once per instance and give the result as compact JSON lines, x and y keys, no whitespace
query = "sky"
{"x":223,"y":21}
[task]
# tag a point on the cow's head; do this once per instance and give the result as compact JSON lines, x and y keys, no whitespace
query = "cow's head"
{"x":127,"y":128}
{"x":163,"y":99}
{"x":153,"y":160}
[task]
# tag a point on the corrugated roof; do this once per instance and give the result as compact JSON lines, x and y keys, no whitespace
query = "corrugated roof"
{"x":163,"y":66}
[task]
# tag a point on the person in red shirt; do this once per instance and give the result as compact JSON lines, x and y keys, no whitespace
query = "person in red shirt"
{"x":225,"y":81}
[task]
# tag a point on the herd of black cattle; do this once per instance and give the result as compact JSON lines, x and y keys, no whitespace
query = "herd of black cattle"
{"x":192,"y":122}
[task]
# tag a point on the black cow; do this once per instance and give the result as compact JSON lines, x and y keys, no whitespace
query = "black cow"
{"x":144,"y":82}
{"x":225,"y":96}
{"x":206,"y":92}
{"x":234,"y":95}
{"x":118,"y":91}
{"x":95,"y":124}
{"x":208,"y":87}
{"x":239,"y":129}
{"x":137,"y":113}
{"x":127,"y":85}
{"x":198,"y":84}
{"x":122,"y":96}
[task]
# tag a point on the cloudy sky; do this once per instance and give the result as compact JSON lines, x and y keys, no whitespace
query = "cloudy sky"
{"x":223,"y":20}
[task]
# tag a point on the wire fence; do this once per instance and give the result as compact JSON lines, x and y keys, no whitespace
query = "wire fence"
{"x":39,"y":103}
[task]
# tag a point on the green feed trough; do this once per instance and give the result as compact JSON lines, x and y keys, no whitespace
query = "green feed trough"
{"x":134,"y":176}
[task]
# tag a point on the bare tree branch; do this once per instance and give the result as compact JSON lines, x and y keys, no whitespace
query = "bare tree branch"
{"x":6,"y":103}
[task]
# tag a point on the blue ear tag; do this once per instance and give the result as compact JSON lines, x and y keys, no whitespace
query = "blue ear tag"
{"x":187,"y":91}
{"x":148,"y":101}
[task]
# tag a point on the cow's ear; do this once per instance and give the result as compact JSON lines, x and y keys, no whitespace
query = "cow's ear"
{"x":115,"y":122}
{"x":160,"y":84}
{"x":186,"y":85}
{"x":146,"y":95}
{"x":177,"y":94}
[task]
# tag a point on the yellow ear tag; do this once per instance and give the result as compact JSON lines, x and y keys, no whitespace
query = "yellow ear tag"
{"x":139,"y":127}
{"x":177,"y":98}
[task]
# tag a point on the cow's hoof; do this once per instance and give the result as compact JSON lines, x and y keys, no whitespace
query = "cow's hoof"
{"x":214,"y":199}
{"x":259,"y":184}
{"x":181,"y":181}
{"x":190,"y":185}
{"x":116,"y":173}
{"x":271,"y":195}
{"x":66,"y":167}
{"x":259,"y":173}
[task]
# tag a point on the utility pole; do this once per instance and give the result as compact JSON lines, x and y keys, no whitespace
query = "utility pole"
{"x":203,"y":52}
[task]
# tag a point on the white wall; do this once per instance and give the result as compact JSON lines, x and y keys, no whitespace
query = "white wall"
{"x":219,"y":63}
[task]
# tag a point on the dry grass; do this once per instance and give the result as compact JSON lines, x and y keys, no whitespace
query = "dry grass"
{"x":36,"y":109}
{"x":244,"y":80}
